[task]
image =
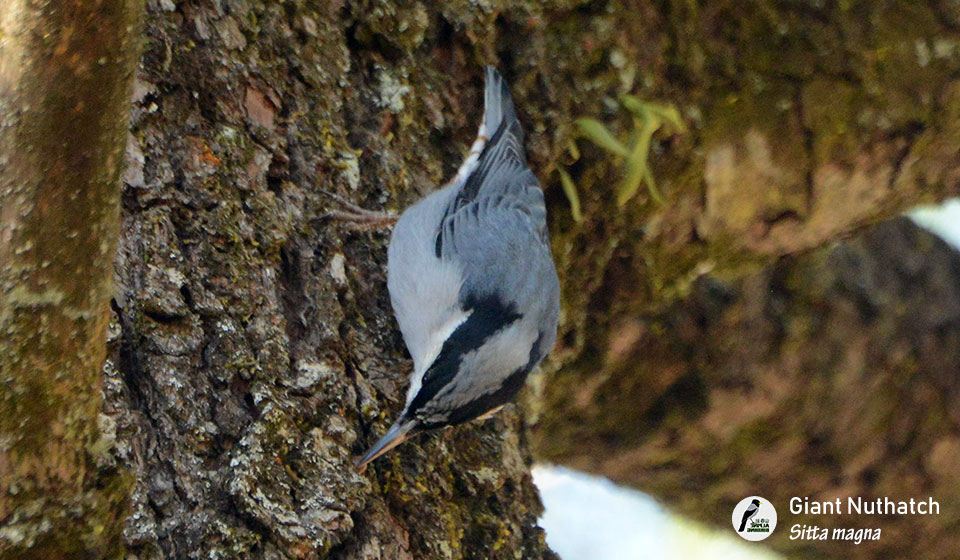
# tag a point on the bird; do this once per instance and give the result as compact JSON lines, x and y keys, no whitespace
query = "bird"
{"x":752,"y":510}
{"x":472,"y":282}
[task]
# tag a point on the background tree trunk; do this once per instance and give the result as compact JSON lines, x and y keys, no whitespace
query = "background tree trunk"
{"x":65,"y":74}
{"x":255,"y":352}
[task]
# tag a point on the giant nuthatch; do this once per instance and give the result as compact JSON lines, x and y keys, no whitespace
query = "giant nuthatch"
{"x":472,"y":282}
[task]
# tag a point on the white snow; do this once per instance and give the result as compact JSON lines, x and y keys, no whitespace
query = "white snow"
{"x":943,"y":220}
{"x":588,"y":517}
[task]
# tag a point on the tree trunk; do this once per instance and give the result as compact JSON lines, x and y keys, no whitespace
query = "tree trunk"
{"x":66,"y":69}
{"x":255,"y":352}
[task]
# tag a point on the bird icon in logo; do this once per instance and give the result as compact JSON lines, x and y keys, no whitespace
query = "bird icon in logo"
{"x":748,"y":515}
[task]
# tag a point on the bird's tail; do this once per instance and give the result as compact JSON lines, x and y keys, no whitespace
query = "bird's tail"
{"x":498,"y":112}
{"x":497,"y":103}
{"x":743,"y":525}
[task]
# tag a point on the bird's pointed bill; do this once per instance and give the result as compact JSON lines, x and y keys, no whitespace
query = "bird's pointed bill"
{"x":396,"y":435}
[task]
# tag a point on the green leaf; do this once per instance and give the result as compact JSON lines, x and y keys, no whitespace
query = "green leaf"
{"x":633,"y":104}
{"x":663,"y":113}
{"x":573,"y":149}
{"x":636,"y":168}
{"x":570,"y":189}
{"x":652,"y":187}
{"x":668,"y":114}
{"x":596,"y":132}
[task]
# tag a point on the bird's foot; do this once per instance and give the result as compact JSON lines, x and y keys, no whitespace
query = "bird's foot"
{"x":486,"y":415}
{"x":358,"y":218}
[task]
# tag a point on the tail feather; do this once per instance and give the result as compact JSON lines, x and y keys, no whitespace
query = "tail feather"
{"x":499,"y":125}
{"x":497,"y":103}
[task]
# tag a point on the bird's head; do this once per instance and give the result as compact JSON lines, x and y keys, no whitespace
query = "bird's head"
{"x":481,"y":365}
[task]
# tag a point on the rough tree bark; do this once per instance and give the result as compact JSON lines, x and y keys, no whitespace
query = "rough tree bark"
{"x":254,"y":351}
{"x":66,"y":70}
{"x":255,"y":354}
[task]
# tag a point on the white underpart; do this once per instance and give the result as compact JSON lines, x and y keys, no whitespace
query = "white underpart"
{"x":432,"y":349}
{"x":424,"y":290}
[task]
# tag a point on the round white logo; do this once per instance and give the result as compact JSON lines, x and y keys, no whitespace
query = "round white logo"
{"x":754,"y":518}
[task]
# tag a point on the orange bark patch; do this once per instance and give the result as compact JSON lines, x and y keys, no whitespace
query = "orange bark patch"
{"x":259,"y":108}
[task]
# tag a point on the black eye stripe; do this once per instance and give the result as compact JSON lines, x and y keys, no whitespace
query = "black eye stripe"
{"x":483,"y":403}
{"x":488,"y":401}
{"x":489,"y":316}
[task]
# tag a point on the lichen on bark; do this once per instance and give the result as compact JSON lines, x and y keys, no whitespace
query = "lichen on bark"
{"x":254,"y":351}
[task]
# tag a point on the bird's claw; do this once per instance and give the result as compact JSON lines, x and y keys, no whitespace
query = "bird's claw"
{"x":356,"y":217}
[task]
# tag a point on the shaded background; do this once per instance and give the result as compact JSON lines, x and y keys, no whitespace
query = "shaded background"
{"x":589,"y":517}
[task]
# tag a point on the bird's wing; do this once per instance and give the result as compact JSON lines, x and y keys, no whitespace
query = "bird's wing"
{"x":495,"y":227}
{"x":503,"y":150}
{"x":499,"y":169}
{"x":499,"y":241}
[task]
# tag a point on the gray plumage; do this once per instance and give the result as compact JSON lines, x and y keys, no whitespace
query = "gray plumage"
{"x":472,"y":281}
